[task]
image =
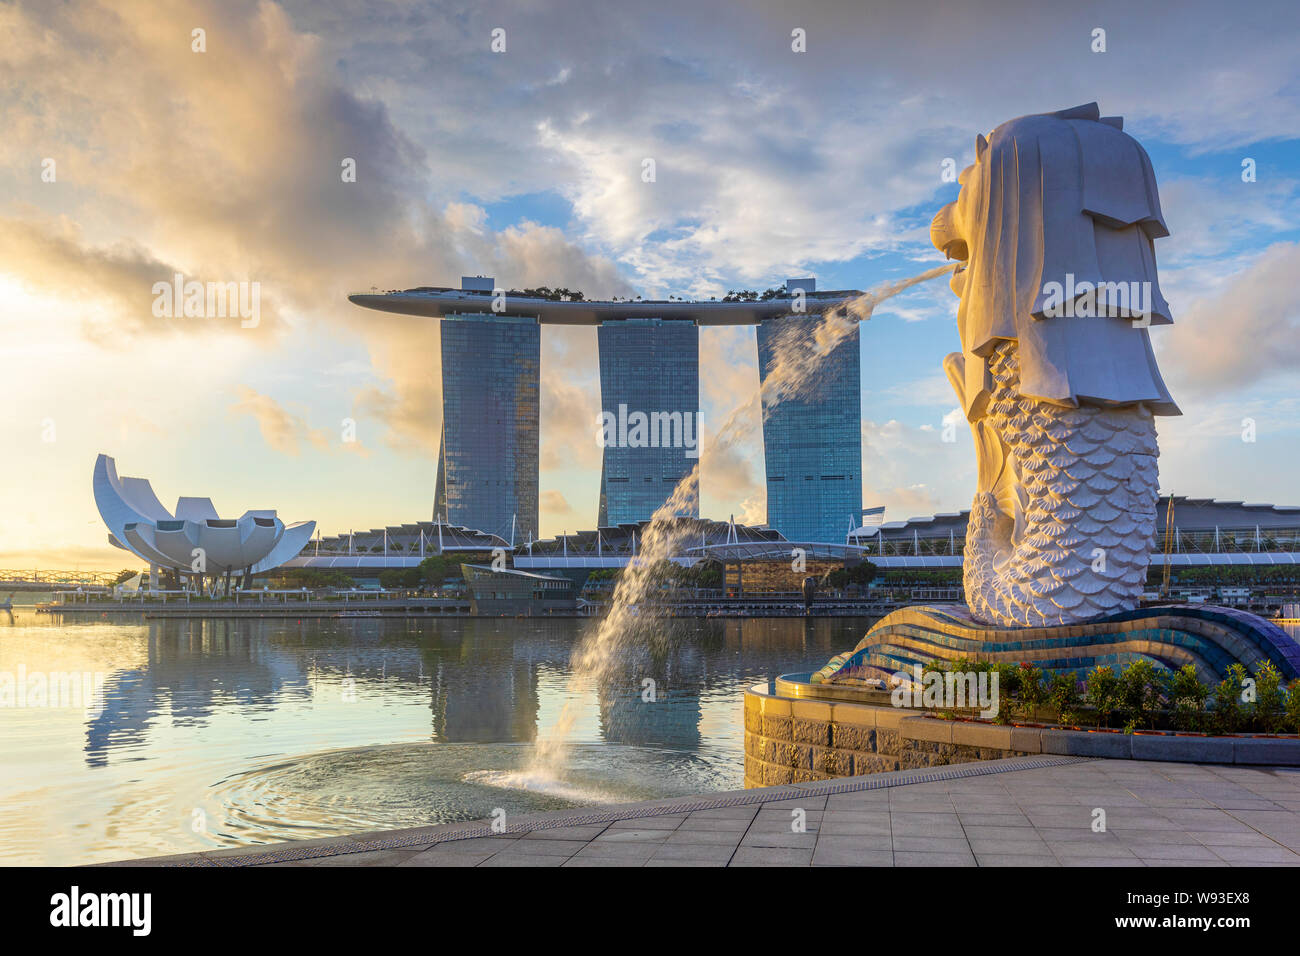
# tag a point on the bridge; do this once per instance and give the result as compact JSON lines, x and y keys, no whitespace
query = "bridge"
{"x":35,"y":580}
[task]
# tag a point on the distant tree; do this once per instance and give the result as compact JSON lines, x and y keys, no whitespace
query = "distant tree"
{"x":125,"y":574}
{"x":436,"y":569}
{"x":306,"y":578}
{"x":862,"y":573}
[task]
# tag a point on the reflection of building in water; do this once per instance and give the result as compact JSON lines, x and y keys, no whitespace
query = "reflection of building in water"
{"x":671,"y":720}
{"x":195,"y":668}
{"x":484,"y":686}
{"x":482,"y":678}
{"x":665,"y":713}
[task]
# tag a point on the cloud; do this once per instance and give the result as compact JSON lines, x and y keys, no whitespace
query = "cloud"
{"x":51,"y":255}
{"x":165,"y":165}
{"x":225,"y":166}
{"x":569,"y":414}
{"x":895,"y":453}
{"x":767,"y":159}
{"x":1244,"y":332}
{"x":281,"y":430}
{"x":1210,"y":217}
{"x":555,"y":504}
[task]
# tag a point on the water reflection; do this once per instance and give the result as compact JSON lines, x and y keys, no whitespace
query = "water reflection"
{"x":220,"y":732}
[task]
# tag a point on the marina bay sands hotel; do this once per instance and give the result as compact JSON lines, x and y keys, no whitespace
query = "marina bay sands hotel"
{"x":650,"y":395}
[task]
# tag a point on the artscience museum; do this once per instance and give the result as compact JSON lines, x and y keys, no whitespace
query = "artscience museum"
{"x":194,"y":543}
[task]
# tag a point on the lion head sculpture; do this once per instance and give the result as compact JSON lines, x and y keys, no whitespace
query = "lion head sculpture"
{"x":1056,"y":204}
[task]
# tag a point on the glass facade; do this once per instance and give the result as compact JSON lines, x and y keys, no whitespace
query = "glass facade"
{"x":487,"y":468}
{"x":812,"y":443}
{"x":650,"y":404}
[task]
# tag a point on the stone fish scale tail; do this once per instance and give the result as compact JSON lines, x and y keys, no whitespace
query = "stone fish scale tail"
{"x":1073,"y":480}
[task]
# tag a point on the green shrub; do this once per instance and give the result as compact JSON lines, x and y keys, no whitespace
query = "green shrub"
{"x":1008,"y":678}
{"x":1187,"y":694}
{"x":1030,"y":689}
{"x":1063,"y":692}
{"x":1139,"y":692}
{"x":1228,"y":715}
{"x":1270,"y":702}
{"x":1293,"y":707}
{"x":1103,"y":692}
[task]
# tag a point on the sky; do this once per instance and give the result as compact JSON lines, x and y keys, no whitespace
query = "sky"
{"x":136,"y":148}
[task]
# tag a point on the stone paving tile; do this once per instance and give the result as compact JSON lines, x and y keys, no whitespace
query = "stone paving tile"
{"x":1256,"y":855}
{"x":661,"y":822}
{"x":705,"y":838}
{"x":853,"y":828}
{"x":511,"y":858}
{"x":780,"y":839}
{"x":580,"y":860}
{"x":908,"y":858}
{"x":969,"y":820}
{"x":868,"y":815}
{"x":1157,"y":814}
{"x":619,"y":851}
{"x":1064,"y":851}
{"x":445,"y":859}
{"x":634,"y":836}
{"x":649,"y":823}
{"x":806,"y":803}
{"x":1198,"y":863}
{"x":1213,"y":838}
{"x":865,"y":800}
{"x":837,"y":854}
{"x":566,"y":833}
{"x":1104,"y":861}
{"x":727,"y":812}
{"x":1269,"y":821}
{"x":927,"y":807}
{"x":772,"y":856}
{"x":1077,"y":816}
{"x":1215,"y":820}
{"x":368,"y":858}
{"x":1145,"y":837}
{"x":1015,"y":859}
{"x":723,"y":823}
{"x":493,"y":843}
{"x":1080,"y":834}
{"x":928,"y":844}
{"x":545,"y":847}
{"x":1170,"y":852}
{"x":973,"y":833}
{"x":694,"y":851}
{"x":714,"y":863}
{"x":1011,"y":848}
{"x":922,"y":824}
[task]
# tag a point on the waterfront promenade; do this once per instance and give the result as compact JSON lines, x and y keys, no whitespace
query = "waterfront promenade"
{"x":1032,"y":811}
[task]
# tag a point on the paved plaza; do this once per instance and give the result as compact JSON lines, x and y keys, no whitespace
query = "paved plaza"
{"x":1043,"y":811}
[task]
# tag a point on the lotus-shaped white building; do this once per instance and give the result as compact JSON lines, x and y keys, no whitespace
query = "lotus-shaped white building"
{"x":196,"y":540}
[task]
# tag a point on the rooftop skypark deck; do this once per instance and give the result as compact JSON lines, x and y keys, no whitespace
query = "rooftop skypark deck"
{"x":438,"y":301}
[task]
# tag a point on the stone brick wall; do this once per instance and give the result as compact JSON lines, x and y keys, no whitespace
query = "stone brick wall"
{"x":796,"y":741}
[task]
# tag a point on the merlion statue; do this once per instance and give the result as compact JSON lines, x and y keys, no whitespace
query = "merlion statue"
{"x":1054,"y":230}
{"x":1054,"y":227}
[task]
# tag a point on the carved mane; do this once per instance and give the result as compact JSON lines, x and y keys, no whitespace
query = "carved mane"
{"x":1064,"y":198}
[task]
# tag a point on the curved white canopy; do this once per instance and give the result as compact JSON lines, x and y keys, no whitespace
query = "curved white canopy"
{"x":197,"y":538}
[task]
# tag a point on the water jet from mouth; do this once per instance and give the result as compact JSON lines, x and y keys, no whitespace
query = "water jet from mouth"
{"x":795,"y":363}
